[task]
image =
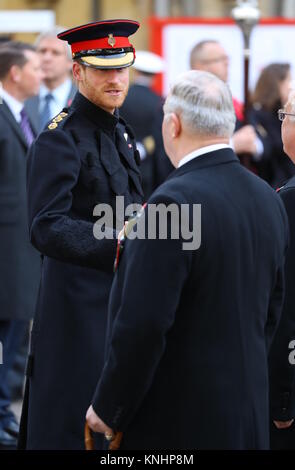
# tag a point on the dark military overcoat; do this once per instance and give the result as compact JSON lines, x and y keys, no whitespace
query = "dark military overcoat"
{"x":86,"y":157}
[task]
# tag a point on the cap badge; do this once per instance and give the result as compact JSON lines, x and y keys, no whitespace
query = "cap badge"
{"x":111,"y":40}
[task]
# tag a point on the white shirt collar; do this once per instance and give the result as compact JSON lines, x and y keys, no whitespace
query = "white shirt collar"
{"x":13,"y":104}
{"x":58,"y":93}
{"x":201,"y":151}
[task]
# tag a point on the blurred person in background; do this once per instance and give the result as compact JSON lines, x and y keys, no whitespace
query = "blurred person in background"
{"x":210,"y":56}
{"x":4,"y":39}
{"x":143,"y":111}
{"x":270,"y":94}
{"x":57,"y":89}
{"x":281,"y":360}
{"x":20,"y":75}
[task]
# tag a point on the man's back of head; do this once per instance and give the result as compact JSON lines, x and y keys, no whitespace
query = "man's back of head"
{"x":198,"y":112}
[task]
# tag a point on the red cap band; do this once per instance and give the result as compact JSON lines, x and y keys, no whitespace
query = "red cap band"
{"x":104,"y":43}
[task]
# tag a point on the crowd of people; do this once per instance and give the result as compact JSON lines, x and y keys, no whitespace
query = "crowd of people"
{"x":179,"y":348}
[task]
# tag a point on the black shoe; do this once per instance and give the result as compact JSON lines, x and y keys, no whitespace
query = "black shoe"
{"x":7,"y":441}
{"x":11,"y":427}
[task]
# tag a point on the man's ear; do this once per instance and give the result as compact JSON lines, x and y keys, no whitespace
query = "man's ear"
{"x":175,"y":125}
{"x":77,"y":71}
{"x":15,"y":73}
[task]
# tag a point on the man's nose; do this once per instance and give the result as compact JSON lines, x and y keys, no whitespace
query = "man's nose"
{"x":113,"y":76}
{"x":46,"y":56}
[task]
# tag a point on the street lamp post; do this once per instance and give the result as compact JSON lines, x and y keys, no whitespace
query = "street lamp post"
{"x":246,"y":14}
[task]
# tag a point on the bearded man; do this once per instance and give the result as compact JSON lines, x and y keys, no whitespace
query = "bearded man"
{"x":85,"y":157}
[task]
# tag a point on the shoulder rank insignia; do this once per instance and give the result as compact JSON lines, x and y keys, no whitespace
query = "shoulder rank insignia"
{"x":56,"y":120}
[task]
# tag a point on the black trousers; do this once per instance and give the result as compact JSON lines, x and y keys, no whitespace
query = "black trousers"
{"x":11,"y":335}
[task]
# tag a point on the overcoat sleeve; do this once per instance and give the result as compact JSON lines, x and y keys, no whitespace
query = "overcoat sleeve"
{"x":53,"y":171}
{"x":153,"y":276}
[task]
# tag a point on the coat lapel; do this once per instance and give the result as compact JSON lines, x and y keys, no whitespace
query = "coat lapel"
{"x":15,"y":125}
{"x":32,"y":108}
{"x":126,"y":151}
{"x":71,"y":96}
{"x":111,"y":162}
{"x":125,"y":148}
{"x":119,"y":173}
{"x":33,"y":123}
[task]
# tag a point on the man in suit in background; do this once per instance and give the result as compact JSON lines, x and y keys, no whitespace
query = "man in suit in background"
{"x":20,"y":74}
{"x":186,"y":364}
{"x":57,"y":90}
{"x":210,"y":56}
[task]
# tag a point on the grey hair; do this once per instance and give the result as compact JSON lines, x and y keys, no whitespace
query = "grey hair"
{"x":203,"y":103}
{"x":52,"y":33}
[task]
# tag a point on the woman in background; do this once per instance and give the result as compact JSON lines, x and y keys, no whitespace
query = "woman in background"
{"x":271,"y":93}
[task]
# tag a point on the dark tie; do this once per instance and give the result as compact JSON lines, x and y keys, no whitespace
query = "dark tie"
{"x":46,"y":113}
{"x":26,"y":127}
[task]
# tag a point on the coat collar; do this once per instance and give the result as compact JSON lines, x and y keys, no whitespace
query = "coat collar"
{"x":217,"y":157}
{"x":110,"y":158}
{"x":97,"y":115}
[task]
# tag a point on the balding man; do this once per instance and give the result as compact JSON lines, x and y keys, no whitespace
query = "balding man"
{"x":210,"y":56}
{"x":186,"y":363}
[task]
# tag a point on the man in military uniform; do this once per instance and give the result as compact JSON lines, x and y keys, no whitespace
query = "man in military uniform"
{"x":85,"y":157}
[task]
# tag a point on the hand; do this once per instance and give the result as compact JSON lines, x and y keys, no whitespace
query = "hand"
{"x":96,"y":424}
{"x":244,"y":140}
{"x":283,"y":424}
